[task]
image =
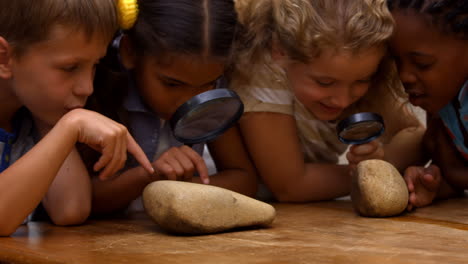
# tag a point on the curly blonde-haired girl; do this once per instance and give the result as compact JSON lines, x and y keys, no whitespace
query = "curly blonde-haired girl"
{"x":302,"y":65}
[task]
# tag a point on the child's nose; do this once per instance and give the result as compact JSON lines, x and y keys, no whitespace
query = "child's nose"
{"x":342,"y":99}
{"x":84,"y":87}
{"x":406,"y":76}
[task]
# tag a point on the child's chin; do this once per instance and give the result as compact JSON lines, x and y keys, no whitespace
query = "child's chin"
{"x":428,"y":108}
{"x":324,"y":115}
{"x":327,"y":117}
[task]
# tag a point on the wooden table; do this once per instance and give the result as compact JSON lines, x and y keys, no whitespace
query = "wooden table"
{"x":327,"y":232}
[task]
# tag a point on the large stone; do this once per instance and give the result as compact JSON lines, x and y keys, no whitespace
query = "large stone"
{"x":378,"y":189}
{"x":191,"y":208}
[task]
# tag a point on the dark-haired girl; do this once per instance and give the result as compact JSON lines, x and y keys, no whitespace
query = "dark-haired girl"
{"x":430,"y":45}
{"x":171,"y":51}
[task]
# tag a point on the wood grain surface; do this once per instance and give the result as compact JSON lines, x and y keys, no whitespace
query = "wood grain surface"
{"x":326,"y":232}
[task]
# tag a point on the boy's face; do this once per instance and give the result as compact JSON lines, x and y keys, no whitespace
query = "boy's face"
{"x":165,"y":87}
{"x":334,"y":80}
{"x":55,"y":76}
{"x":432,"y":65}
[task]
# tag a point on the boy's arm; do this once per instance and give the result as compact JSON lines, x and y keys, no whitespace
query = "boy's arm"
{"x":24,"y":183}
{"x":68,"y":200}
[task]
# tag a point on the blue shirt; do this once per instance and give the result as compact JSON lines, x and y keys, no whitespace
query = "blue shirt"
{"x":6,"y":144}
{"x":455,"y":118}
{"x":14,"y":145}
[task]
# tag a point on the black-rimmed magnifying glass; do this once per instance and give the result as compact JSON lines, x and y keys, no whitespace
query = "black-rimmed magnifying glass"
{"x":360,"y":128}
{"x":206,"y":116}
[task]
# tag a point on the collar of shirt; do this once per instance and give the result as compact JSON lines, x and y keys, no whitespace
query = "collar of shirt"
{"x":133,"y":101}
{"x":462,"y":95}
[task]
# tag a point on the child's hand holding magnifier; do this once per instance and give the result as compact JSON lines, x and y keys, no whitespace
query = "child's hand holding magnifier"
{"x":361,"y":130}
{"x":377,"y":188}
{"x":201,"y":119}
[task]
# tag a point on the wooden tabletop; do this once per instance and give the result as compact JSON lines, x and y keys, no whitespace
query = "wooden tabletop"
{"x":327,"y":232}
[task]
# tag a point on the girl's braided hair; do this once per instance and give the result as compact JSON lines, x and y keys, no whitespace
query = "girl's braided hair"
{"x":449,"y":16}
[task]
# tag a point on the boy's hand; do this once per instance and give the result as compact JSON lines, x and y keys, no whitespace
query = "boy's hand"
{"x":108,"y":137}
{"x":180,"y":163}
{"x":423,"y":185}
{"x":371,"y":150}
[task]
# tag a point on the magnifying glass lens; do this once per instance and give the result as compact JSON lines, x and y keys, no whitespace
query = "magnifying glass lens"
{"x":361,"y":131}
{"x":360,"y":128}
{"x":207,"y":118}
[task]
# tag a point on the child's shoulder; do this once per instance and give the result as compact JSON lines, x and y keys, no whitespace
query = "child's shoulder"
{"x":15,"y":143}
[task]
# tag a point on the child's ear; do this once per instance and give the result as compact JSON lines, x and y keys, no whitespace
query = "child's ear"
{"x":278,"y":53}
{"x":5,"y":59}
{"x":127,"y":53}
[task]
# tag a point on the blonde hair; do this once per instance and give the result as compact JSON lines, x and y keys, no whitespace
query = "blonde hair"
{"x":25,"y":22}
{"x":304,"y":28}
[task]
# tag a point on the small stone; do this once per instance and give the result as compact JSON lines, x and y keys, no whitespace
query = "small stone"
{"x":191,"y":208}
{"x":378,"y":189}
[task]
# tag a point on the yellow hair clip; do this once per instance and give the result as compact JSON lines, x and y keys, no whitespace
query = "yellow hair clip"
{"x":128,"y":13}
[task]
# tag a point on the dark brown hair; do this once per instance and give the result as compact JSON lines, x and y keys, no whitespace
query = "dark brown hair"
{"x":204,"y":28}
{"x":450,"y":16}
{"x":193,"y":27}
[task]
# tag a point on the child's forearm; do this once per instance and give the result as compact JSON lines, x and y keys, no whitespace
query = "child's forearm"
{"x":447,"y":191}
{"x":117,"y":193}
{"x":237,"y":180}
{"x":405,"y":148}
{"x":319,"y":182}
{"x":25,"y":182}
{"x":68,"y":200}
{"x":445,"y":155}
{"x":457,"y":177}
{"x":235,"y":169}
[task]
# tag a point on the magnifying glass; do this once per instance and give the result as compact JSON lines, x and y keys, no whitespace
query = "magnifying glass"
{"x":206,"y":116}
{"x":360,"y":128}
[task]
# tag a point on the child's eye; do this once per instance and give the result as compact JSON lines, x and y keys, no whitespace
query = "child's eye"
{"x":324,"y":83}
{"x":423,"y":66}
{"x":365,"y":80}
{"x":422,"y":63}
{"x":70,"y":68}
{"x":171,"y":84}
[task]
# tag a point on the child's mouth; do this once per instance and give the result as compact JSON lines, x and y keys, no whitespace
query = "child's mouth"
{"x":330,"y":109}
{"x":416,"y":98}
